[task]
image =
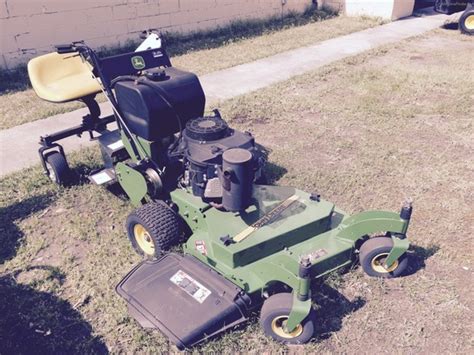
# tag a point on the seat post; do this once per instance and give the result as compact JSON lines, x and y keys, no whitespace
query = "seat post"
{"x":92,"y":105}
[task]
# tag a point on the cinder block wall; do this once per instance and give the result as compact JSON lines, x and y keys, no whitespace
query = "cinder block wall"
{"x":31,"y":27}
{"x":338,"y":5}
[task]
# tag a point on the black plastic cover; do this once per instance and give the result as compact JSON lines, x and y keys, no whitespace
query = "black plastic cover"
{"x":204,"y":129}
{"x":205,"y":156}
{"x":145,"y":104}
{"x":183,"y":298}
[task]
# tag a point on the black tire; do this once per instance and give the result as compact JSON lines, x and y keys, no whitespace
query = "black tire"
{"x":275,"y":311}
{"x":372,"y":255}
{"x":153,"y":228}
{"x":466,"y":22}
{"x":58,"y":169}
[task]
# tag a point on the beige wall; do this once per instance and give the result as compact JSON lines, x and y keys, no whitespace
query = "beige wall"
{"x":334,"y":4}
{"x":31,"y":27}
{"x":386,"y":9}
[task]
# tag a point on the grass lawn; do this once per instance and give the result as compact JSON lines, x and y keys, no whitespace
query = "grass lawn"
{"x":364,"y":133}
{"x":18,"y":107}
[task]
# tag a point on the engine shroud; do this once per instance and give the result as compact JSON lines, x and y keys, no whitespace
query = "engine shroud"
{"x":205,"y":139}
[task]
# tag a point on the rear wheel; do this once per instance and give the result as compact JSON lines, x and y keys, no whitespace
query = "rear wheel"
{"x":58,"y":168}
{"x":373,"y":254}
{"x":466,"y":22}
{"x":153,"y":228}
{"x":273,"y":318}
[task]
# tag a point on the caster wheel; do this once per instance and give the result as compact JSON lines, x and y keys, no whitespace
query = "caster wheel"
{"x":153,"y":228}
{"x":58,"y":169}
{"x":373,"y":254}
{"x":466,"y":22}
{"x":274,"y":315}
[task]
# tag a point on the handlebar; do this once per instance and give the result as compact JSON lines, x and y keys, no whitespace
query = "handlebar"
{"x":64,"y":48}
{"x":73,"y":47}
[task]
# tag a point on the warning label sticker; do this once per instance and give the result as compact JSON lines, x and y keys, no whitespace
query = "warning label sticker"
{"x":190,"y":286}
{"x":201,"y":246}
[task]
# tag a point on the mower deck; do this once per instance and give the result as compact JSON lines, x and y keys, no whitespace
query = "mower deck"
{"x":267,"y":239}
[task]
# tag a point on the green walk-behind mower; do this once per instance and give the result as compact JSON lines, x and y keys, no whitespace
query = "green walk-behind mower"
{"x":197,"y":182}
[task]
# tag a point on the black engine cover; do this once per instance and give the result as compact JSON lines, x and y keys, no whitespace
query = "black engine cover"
{"x":206,"y":129}
{"x":205,"y":140}
{"x":145,"y":103}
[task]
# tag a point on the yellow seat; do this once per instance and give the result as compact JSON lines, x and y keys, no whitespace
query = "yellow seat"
{"x":61,"y":77}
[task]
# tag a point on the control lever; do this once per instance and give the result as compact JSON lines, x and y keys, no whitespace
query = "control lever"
{"x":64,"y":48}
{"x":69,"y":48}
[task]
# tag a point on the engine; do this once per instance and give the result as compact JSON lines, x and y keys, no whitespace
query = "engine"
{"x":216,"y":157}
{"x":219,"y":164}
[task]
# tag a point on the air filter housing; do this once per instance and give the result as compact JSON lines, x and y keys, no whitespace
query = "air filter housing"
{"x":205,"y":139}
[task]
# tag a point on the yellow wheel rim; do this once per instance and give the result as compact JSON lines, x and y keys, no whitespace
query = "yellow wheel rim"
{"x":278,"y":327}
{"x":378,"y":263}
{"x":144,"y":240}
{"x":469,"y":22}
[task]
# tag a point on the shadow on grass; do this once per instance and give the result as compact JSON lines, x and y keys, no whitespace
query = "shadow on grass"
{"x":10,"y":234}
{"x":417,"y":256}
{"x":451,"y":26}
{"x":272,"y":173}
{"x":32,"y":321}
{"x":332,"y":308}
{"x":35,"y":322}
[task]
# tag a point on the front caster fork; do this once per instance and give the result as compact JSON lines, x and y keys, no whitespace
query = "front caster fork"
{"x":301,"y":297}
{"x":400,"y":241}
{"x":47,"y":148}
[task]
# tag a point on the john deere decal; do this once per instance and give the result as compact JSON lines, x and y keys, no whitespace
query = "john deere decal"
{"x":138,"y":62}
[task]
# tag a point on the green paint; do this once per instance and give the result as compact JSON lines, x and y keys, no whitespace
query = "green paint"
{"x":132,"y":182}
{"x":145,"y":149}
{"x":299,"y":312}
{"x":370,"y":222}
{"x":303,"y":287}
{"x":400,"y":246}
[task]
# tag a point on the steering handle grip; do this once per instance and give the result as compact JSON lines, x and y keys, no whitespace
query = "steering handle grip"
{"x":65,"y":48}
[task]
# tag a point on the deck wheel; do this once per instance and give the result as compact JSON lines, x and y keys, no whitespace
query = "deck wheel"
{"x":373,"y":254}
{"x":466,"y":22}
{"x":273,"y":318}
